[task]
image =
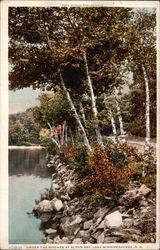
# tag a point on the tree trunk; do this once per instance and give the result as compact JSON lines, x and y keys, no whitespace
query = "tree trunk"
{"x":66,"y":134}
{"x":71,"y":136}
{"x":82,"y":113}
{"x":51,"y":129}
{"x":114,"y":130}
{"x":119,"y":115}
{"x":86,"y":142}
{"x":147,"y":140}
{"x":93,"y":102}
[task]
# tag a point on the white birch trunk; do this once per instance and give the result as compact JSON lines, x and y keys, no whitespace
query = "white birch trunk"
{"x":82,"y":113}
{"x":93,"y":102}
{"x":147,"y":140}
{"x":63,"y":130}
{"x":86,"y":142}
{"x":114,"y":130}
{"x":66,"y":134}
{"x":119,"y":115}
{"x":71,"y":136}
{"x":52,"y":137}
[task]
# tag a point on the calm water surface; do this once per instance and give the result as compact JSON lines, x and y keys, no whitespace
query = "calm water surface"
{"x":27,"y":181}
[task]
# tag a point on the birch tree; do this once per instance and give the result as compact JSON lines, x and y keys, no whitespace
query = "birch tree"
{"x":114,"y":130}
{"x":119,"y":114}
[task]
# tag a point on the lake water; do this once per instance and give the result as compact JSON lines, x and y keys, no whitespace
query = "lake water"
{"x":27,"y":181}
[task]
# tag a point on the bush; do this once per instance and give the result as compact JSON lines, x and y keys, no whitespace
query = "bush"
{"x":105,"y":179}
{"x":47,"y":142}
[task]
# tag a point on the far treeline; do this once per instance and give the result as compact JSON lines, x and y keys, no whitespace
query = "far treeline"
{"x":85,"y":57}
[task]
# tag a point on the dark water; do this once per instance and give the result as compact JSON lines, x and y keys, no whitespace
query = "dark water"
{"x":27,"y":181}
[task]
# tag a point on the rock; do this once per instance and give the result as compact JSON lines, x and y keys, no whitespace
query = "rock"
{"x":143,"y":203}
{"x":84,"y":235}
{"x":43,"y":206}
{"x":69,"y":186}
{"x":113,"y":220}
{"x":57,"y":240}
{"x":100,"y":213}
{"x":51,"y":231}
{"x":100,"y":238}
{"x":77,"y":241}
{"x":111,"y":239}
{"x":70,"y":224}
{"x":57,"y":204}
{"x":44,"y":217}
{"x":87,"y":224}
{"x":65,"y":197}
{"x":130,"y":197}
{"x":101,"y":226}
{"x":95,"y":235}
{"x":128,"y":223}
{"x":144,"y":190}
{"x":49,"y":241}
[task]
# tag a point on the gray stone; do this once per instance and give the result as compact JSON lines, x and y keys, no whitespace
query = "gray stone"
{"x":57,"y":204}
{"x":43,"y":206}
{"x":84,"y":235}
{"x":113,"y":220}
{"x":44,"y":217}
{"x":144,"y":190}
{"x":51,"y":231}
{"x":69,"y":186}
{"x":143,"y":203}
{"x":49,"y":241}
{"x":87,"y":224}
{"x":95,"y":235}
{"x":111,"y":239}
{"x":100,"y":213}
{"x":128,"y":223}
{"x":77,"y":241}
{"x":101,"y":226}
{"x":100,"y":238}
{"x":65,"y":197}
{"x":70,"y":224}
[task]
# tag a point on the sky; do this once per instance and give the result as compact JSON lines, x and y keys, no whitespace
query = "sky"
{"x":22,"y":99}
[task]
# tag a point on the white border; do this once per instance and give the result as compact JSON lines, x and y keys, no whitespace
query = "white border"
{"x":4,"y":122}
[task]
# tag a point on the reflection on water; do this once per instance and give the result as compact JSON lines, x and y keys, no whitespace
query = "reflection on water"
{"x":28,"y":179}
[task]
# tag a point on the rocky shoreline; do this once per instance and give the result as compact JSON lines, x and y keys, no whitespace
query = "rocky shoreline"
{"x":67,"y":218}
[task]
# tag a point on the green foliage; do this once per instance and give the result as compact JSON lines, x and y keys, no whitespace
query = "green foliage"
{"x":46,"y":142}
{"x":23,"y":130}
{"x":54,"y":109}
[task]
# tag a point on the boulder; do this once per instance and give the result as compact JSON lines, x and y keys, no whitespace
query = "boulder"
{"x":57,"y":204}
{"x":143,"y":203}
{"x":65,"y":197}
{"x":44,"y":217}
{"x":113,"y":220}
{"x":51,"y":231}
{"x":127,"y":223}
{"x":77,"y":241}
{"x":100,"y":238}
{"x":70,"y":224}
{"x":100,"y":213}
{"x":144,"y":190}
{"x":130,"y":197}
{"x":134,"y":195}
{"x":43,"y":206}
{"x":87,"y":224}
{"x":84,"y":235}
{"x":69,"y":186}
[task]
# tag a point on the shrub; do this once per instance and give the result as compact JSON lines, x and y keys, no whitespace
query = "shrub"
{"x":68,"y":154}
{"x":46,"y":142}
{"x":105,"y":179}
